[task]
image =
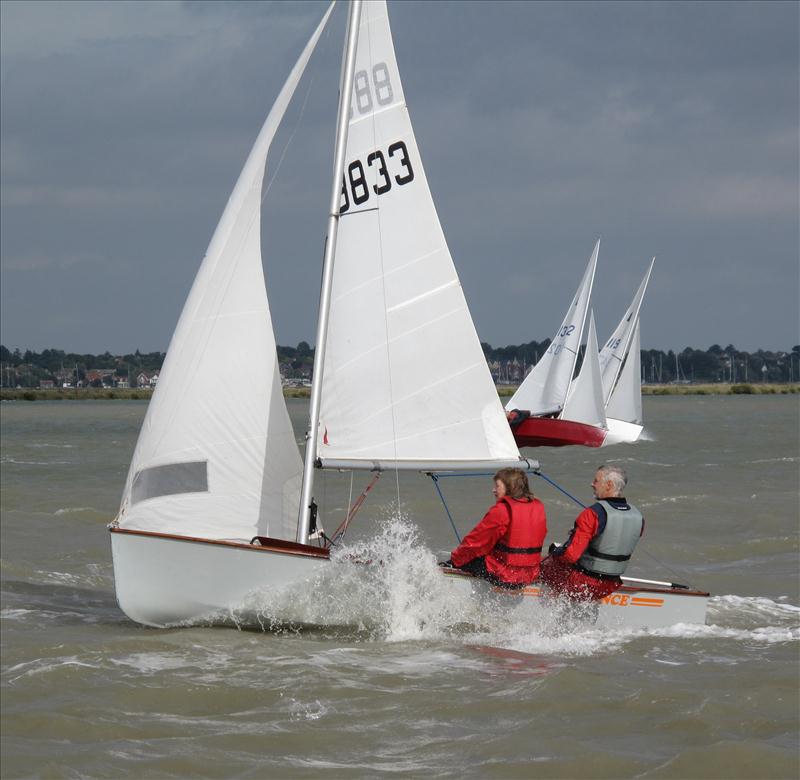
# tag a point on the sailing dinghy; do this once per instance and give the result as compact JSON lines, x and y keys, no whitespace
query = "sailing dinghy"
{"x":216,"y":465}
{"x":620,"y":364}
{"x":218,"y":504}
{"x":564,"y":410}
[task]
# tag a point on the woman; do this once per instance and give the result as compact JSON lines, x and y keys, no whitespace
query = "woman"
{"x":504,"y":548}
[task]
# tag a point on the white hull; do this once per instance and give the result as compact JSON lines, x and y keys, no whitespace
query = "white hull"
{"x":621,"y":432}
{"x":168,"y":580}
{"x":164,"y":580}
{"x":629,"y":607}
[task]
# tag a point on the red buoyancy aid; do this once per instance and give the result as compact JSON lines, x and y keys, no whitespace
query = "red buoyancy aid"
{"x":521,"y":545}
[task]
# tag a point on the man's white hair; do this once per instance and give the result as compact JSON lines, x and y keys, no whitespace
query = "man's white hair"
{"x":616,"y":475}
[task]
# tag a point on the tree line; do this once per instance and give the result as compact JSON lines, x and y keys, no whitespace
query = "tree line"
{"x":715,"y":364}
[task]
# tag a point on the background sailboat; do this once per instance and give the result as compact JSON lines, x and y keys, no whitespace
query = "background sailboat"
{"x":559,"y":415}
{"x":624,"y":409}
{"x":620,"y":363}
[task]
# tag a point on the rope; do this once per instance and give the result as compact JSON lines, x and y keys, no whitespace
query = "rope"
{"x":677,"y":575}
{"x":338,"y":535}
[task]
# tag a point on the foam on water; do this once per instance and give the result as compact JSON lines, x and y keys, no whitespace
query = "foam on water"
{"x":672,"y":500}
{"x":399,"y":597}
{"x":68,"y":510}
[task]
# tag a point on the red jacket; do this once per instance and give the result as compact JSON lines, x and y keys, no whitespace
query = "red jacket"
{"x":584,"y":530}
{"x":510,"y":523}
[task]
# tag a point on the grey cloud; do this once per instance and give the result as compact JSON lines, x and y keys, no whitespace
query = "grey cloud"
{"x":667,"y":128}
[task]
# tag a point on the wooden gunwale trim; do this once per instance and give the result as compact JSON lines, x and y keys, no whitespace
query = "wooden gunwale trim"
{"x":280,"y":546}
{"x":624,"y":588}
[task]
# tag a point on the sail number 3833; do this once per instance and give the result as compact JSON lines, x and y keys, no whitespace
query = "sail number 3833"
{"x":386,"y":170}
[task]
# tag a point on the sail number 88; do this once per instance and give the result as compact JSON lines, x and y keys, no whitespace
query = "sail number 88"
{"x":367,"y":93}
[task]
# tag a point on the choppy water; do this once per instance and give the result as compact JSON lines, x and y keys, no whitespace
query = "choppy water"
{"x":415,"y":685}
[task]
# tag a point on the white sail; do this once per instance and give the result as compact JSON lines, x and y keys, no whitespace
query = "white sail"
{"x":405,"y":379}
{"x":626,"y":401}
{"x":616,"y":348}
{"x":585,"y":400}
{"x":216,"y":457}
{"x":545,"y":389}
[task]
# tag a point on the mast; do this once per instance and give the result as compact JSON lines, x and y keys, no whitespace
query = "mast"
{"x":342,"y":122}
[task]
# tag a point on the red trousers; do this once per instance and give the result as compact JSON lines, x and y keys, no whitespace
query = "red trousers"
{"x":564,"y":579}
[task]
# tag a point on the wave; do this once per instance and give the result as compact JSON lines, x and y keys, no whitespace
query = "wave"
{"x":43,"y":666}
{"x":7,"y":459}
{"x":673,"y":500}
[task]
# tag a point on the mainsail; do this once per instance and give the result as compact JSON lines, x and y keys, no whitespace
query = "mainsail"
{"x":405,"y":381}
{"x":217,"y":457}
{"x":544,"y":390}
{"x":618,"y":345}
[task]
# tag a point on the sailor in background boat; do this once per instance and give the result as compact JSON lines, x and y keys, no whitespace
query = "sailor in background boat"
{"x":505,"y":546}
{"x":589,"y":565}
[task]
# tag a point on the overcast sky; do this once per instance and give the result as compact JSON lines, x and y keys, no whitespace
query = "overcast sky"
{"x":667,"y":129}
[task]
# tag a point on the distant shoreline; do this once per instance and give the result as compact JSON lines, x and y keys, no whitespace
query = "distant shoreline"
{"x":143,"y":394}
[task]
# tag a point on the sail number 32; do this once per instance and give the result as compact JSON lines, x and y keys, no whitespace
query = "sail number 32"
{"x":356,"y":188}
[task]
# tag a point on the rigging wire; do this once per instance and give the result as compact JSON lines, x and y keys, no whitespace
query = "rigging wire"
{"x":558,"y":487}
{"x":289,"y":140}
{"x":435,"y":479}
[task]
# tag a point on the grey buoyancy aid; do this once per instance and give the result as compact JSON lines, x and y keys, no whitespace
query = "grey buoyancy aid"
{"x":609,"y":552}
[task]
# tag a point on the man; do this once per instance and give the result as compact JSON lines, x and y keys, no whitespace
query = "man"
{"x":504,"y":547}
{"x":588,"y":566}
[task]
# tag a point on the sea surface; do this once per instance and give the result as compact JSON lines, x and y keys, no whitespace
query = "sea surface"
{"x":400,"y":684}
